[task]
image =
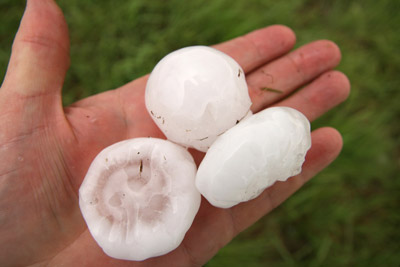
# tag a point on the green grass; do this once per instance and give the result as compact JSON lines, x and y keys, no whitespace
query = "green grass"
{"x":349,"y":214}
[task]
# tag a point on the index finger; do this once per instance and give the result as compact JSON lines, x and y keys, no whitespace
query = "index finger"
{"x":259,"y":47}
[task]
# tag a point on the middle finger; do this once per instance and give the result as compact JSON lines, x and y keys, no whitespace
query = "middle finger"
{"x":279,"y":78}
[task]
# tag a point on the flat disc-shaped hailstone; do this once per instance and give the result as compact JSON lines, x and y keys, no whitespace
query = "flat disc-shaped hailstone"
{"x":267,"y":147}
{"x":195,"y":94}
{"x":139,"y":198}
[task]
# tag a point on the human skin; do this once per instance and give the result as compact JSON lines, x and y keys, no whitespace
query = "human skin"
{"x":46,"y":149}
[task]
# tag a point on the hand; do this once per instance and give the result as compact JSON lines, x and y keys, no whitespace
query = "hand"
{"x":45,"y":149}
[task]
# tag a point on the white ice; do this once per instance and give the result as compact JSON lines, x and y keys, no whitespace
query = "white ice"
{"x":267,"y":147}
{"x":195,"y":94}
{"x":139,"y":198}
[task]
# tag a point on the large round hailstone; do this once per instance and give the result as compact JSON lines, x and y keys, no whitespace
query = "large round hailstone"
{"x":195,"y":94}
{"x":139,"y":198}
{"x":266,"y":147}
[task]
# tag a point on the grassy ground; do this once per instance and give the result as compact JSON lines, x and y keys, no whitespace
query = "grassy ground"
{"x":349,"y":214}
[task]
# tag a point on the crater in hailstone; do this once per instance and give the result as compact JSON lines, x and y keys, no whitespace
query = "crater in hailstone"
{"x":136,"y":203}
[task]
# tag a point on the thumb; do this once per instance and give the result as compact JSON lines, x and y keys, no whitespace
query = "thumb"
{"x":40,"y":52}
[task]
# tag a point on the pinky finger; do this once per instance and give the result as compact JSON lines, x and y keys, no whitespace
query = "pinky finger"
{"x":215,"y":227}
{"x":326,"y":146}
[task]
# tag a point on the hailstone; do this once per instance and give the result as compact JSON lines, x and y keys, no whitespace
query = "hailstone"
{"x":195,"y":94}
{"x":267,"y":147}
{"x":139,"y":198}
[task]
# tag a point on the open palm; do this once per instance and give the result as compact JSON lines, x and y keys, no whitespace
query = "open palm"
{"x":45,"y":149}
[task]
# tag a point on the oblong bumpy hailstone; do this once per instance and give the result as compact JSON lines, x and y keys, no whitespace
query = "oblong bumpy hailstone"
{"x":195,"y":94}
{"x":267,"y":147}
{"x":139,"y":198}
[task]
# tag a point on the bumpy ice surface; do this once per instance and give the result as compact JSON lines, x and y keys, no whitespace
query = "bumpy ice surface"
{"x":195,"y":94}
{"x":266,"y":147}
{"x":139,"y":198}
